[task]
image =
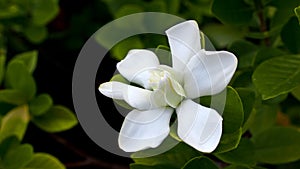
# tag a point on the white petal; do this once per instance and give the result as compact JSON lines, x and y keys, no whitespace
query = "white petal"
{"x":144,"y":129}
{"x":136,"y":61}
{"x":184,"y":40}
{"x":136,"y":97}
{"x":208,"y":73}
{"x":199,"y":126}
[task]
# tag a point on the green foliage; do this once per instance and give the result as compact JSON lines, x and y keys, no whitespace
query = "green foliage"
{"x":200,"y":162}
{"x":277,"y":145}
{"x":277,"y":76}
{"x":45,"y":161}
{"x":56,"y":119}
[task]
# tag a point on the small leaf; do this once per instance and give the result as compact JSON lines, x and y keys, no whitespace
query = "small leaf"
{"x":29,"y":59}
{"x":12,"y":96}
{"x":56,"y":119}
{"x":244,"y":154}
{"x":200,"y":162}
{"x":17,"y":157}
{"x":14,"y":123}
{"x":264,"y":119}
{"x":43,"y":11}
{"x":2,"y":67}
{"x":290,"y":35}
{"x":277,"y":76}
{"x":44,"y":161}
{"x":7,"y":144}
{"x":18,"y":77}
{"x":234,"y":12}
{"x":35,"y":34}
{"x":277,"y":145}
{"x":40,"y":104}
{"x":248,"y":99}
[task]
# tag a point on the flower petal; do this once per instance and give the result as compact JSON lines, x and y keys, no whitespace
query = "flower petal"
{"x":144,"y":129}
{"x":136,"y":61}
{"x":136,"y":97}
{"x":208,"y":73}
{"x":184,"y":40}
{"x":199,"y":126}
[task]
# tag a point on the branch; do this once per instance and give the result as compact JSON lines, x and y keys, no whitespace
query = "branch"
{"x":88,"y":160}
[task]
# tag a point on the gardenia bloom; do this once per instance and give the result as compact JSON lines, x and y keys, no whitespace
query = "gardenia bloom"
{"x":194,"y":73}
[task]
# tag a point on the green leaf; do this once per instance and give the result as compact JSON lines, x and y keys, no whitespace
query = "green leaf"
{"x":140,"y":166}
{"x":43,"y":11}
{"x":245,"y":51}
{"x":56,"y":119}
{"x":229,"y":141}
{"x":200,"y":162}
{"x":277,"y":76}
{"x":44,"y":161}
{"x":264,"y":119}
{"x":296,"y":93}
{"x":222,"y":35}
{"x":14,"y":123}
{"x":18,"y":77}
{"x":7,"y":144}
{"x":17,"y":157}
{"x":176,"y":157}
{"x":248,"y":99}
{"x":29,"y":59}
{"x":127,"y":10}
{"x":12,"y":96}
{"x":233,"y":117}
{"x":244,"y":154}
{"x":35,"y":34}
{"x":277,"y":145}
{"x":290,"y":35}
{"x":297,"y":12}
{"x":266,"y":53}
{"x":40,"y":105}
{"x":2,"y":67}
{"x":120,"y":50}
{"x":235,"y":12}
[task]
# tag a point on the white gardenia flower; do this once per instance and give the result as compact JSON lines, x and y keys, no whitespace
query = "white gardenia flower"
{"x":194,"y":73}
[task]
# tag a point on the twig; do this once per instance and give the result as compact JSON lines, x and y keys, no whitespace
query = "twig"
{"x":262,"y":20}
{"x":88,"y":160}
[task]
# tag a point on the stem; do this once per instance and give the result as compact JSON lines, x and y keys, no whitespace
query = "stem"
{"x":88,"y":160}
{"x":263,"y":25}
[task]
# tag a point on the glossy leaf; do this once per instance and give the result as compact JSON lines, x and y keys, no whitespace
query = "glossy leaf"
{"x":277,"y":76}
{"x":44,"y":161}
{"x":264,"y":119}
{"x":29,"y":59}
{"x":200,"y":162}
{"x":244,"y":154}
{"x":14,"y":123}
{"x":233,"y":12}
{"x":40,"y":105}
{"x":17,"y":157}
{"x":229,"y":141}
{"x":18,"y":78}
{"x":290,"y":35}
{"x":44,"y":11}
{"x":266,"y":53}
{"x":277,"y":145}
{"x":12,"y":96}
{"x":56,"y":119}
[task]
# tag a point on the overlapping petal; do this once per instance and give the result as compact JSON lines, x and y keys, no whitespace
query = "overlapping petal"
{"x":208,"y":73}
{"x":144,"y":129}
{"x":199,"y":126}
{"x":136,"y":61}
{"x":136,"y":97}
{"x":184,"y":41}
